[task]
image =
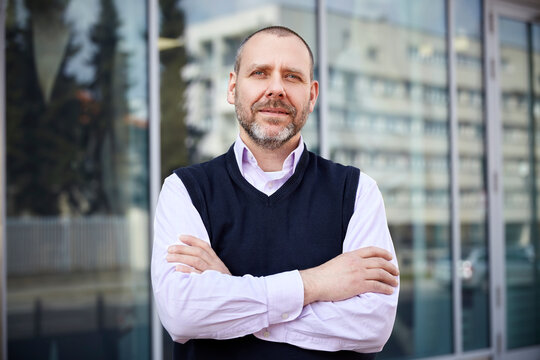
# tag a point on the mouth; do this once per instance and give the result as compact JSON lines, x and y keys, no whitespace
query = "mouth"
{"x":274,"y":111}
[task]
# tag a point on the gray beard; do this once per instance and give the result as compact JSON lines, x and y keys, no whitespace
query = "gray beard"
{"x":256,"y":131}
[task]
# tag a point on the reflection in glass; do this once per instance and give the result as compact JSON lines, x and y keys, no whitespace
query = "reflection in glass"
{"x":520,"y":156}
{"x":77,"y":183}
{"x":474,"y":264}
{"x":388,"y":105}
{"x":212,"y":31}
{"x":174,"y":130}
{"x":172,"y":58}
{"x":197,"y":49}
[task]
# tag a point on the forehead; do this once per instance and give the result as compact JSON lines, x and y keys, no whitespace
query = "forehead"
{"x":269,"y":49}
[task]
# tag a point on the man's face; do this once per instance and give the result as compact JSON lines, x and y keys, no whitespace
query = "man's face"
{"x":272,"y":91}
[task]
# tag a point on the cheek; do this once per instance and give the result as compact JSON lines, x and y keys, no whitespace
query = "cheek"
{"x":250,"y":92}
{"x":301,"y":99}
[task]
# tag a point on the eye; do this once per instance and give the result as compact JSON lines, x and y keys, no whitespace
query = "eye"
{"x":257,"y":73}
{"x":293,"y":77}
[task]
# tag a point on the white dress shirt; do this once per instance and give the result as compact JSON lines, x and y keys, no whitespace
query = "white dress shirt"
{"x":218,"y":306}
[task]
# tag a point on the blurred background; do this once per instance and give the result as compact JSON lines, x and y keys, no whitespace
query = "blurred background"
{"x":438,"y":101}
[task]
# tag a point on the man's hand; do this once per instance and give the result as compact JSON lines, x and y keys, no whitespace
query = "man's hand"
{"x":197,"y":255}
{"x":350,"y":274}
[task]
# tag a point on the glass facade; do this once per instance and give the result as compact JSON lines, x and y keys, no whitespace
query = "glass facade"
{"x":474,"y":261}
{"x":77,"y":143}
{"x":519,"y":83}
{"x":77,"y":227}
{"x":388,"y":115}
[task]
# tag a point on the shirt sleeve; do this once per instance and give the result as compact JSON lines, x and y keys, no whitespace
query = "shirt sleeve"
{"x":211,"y":304}
{"x":362,"y":323}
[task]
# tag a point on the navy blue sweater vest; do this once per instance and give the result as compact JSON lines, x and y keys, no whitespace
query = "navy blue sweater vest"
{"x":301,"y":225}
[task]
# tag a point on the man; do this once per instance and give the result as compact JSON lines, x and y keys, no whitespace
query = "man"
{"x":270,"y":251}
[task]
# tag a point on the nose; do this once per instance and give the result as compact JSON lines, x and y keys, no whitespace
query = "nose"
{"x":275,"y":87}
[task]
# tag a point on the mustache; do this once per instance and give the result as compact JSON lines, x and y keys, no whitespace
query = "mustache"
{"x":274,"y":104}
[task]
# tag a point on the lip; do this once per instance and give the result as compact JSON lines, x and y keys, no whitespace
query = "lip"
{"x":274,"y":111}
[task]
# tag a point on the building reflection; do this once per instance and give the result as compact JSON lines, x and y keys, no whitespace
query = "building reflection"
{"x":388,"y":115}
{"x":77,"y":222}
{"x":77,"y":166}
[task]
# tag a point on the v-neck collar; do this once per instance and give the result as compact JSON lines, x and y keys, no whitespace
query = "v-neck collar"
{"x":289,"y":186}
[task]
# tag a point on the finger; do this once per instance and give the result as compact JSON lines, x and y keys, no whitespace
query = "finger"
{"x":379,"y":287}
{"x":192,"y":251}
{"x":380,"y":263}
{"x":184,"y":249}
{"x":186,"y":269}
{"x":373,"y":251}
{"x":176,"y":249}
{"x":194,"y":241}
{"x":203,"y":250}
{"x":193,"y":261}
{"x":382,"y":276}
{"x":201,"y":244}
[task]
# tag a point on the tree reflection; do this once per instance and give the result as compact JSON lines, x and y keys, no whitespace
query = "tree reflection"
{"x":173,"y":113}
{"x":64,"y":148}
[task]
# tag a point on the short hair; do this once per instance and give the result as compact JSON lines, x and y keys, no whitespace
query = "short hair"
{"x":280,"y":31}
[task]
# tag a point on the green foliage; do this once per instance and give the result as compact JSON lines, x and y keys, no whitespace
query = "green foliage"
{"x":61,"y":151}
{"x":174,"y":150}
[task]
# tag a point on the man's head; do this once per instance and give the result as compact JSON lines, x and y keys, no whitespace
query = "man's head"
{"x":280,"y":31}
{"x":272,"y":86}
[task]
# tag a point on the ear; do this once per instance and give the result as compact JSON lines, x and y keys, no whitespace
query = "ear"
{"x":313,"y":94}
{"x":231,"y":88}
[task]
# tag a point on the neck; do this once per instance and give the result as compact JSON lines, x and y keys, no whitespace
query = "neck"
{"x":270,"y":160}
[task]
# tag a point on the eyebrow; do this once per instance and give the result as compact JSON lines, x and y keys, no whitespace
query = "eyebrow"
{"x":258,"y":67}
{"x":286,"y":69}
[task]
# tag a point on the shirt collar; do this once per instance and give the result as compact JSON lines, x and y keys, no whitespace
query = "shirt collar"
{"x":244,"y":156}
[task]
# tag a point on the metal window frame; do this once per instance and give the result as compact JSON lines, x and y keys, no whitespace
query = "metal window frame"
{"x":494,"y":166}
{"x":3,"y":266}
{"x":154,"y":158}
{"x":455,"y":218}
{"x":320,"y":25}
{"x":3,"y":246}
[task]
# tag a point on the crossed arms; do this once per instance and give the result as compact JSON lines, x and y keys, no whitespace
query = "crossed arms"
{"x":347,"y":303}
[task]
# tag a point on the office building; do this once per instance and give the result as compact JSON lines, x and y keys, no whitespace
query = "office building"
{"x":438,"y":101}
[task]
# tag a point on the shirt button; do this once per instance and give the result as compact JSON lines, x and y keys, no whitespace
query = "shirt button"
{"x":266,"y":334}
{"x":284,"y":316}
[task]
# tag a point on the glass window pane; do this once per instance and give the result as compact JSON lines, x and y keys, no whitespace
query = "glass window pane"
{"x":388,"y":115}
{"x":521,"y":241}
{"x":77,"y":180}
{"x":197,"y":49}
{"x":199,"y":124}
{"x":474,"y":263}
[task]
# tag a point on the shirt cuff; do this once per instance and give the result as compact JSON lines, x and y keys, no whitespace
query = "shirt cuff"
{"x":285,"y":295}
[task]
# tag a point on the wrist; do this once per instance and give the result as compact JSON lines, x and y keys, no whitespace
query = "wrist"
{"x":310,"y":286}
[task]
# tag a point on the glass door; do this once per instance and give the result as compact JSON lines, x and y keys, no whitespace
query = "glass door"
{"x":519,"y":80}
{"x":518,"y":69}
